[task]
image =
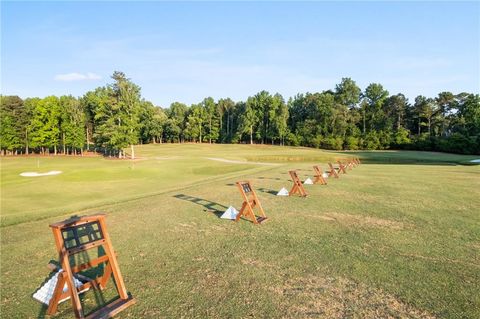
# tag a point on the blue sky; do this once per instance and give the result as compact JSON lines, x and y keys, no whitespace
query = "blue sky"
{"x":189,"y":50}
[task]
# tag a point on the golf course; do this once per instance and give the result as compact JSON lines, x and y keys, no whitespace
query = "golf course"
{"x":398,"y":236}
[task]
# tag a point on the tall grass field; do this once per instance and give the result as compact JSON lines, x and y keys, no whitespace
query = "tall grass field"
{"x":396,"y":237}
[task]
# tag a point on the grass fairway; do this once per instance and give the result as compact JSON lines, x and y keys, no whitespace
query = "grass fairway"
{"x":385,"y":240}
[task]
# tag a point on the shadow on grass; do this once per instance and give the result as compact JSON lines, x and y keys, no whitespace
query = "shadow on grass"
{"x":267,"y":191}
{"x":211,"y":207}
{"x":409,"y":157}
{"x":275,"y":179}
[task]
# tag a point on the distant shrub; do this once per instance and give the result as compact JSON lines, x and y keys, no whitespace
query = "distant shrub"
{"x":292,"y":139}
{"x":458,"y":143}
{"x":317,"y":141}
{"x":332,"y":143}
{"x":352,"y":143}
{"x":401,"y":138}
{"x":371,"y":141}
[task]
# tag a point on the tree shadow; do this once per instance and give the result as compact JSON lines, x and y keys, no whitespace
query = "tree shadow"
{"x":275,"y":179}
{"x":210,"y":207}
{"x":267,"y":191}
{"x":407,"y":157}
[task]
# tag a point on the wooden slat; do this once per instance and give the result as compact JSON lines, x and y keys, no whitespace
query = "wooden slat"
{"x":117,"y":275}
{"x":112,"y":308}
{"x":90,"y":264}
{"x":77,"y":220}
{"x":82,"y":248}
{"x":69,"y":279}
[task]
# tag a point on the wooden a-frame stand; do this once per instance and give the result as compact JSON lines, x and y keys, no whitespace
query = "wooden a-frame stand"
{"x":297,"y":185}
{"x":250,"y":201}
{"x":77,"y":235}
{"x":351,"y":163}
{"x":318,"y":176}
{"x":341,"y":167}
{"x":333,"y":171}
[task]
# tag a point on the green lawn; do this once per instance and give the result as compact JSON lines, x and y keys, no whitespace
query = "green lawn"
{"x":385,"y":240}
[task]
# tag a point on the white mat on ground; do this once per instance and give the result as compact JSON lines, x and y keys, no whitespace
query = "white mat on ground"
{"x":308,"y":181}
{"x":44,"y":293}
{"x":325,"y":175}
{"x":283,"y":192}
{"x":35,"y":174}
{"x":230,"y":213}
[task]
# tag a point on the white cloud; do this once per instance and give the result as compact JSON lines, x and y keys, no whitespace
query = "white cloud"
{"x":77,"y":77}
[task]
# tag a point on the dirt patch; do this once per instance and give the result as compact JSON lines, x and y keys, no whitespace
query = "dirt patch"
{"x":359,"y":220}
{"x":319,"y":297}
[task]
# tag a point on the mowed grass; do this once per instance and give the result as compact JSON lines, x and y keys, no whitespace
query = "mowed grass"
{"x":382,"y":241}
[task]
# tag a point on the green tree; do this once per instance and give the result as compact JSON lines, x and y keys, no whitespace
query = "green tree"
{"x":347,"y":93}
{"x":172,"y":131}
{"x":13,"y":123}
{"x":248,"y":118}
{"x":226,"y":110}
{"x":375,"y":95}
{"x":153,"y":119}
{"x":194,"y":129}
{"x":127,"y":95}
{"x":178,"y":112}
{"x":72,"y":124}
{"x":424,"y":109}
{"x":45,"y":124}
{"x":446,"y":102}
{"x":211,"y":119}
{"x":117,"y":114}
{"x":279,"y":119}
{"x":396,"y":109}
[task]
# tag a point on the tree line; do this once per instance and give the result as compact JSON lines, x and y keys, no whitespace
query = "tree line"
{"x":115,"y":117}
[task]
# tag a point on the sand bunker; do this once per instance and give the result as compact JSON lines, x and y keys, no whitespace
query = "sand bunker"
{"x":35,"y":174}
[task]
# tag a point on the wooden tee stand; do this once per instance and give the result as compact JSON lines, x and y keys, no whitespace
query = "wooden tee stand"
{"x":318,"y":176}
{"x":78,"y":235}
{"x":341,"y":167}
{"x":351,"y":163}
{"x":332,"y":171}
{"x":250,"y":201}
{"x":297,"y":185}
